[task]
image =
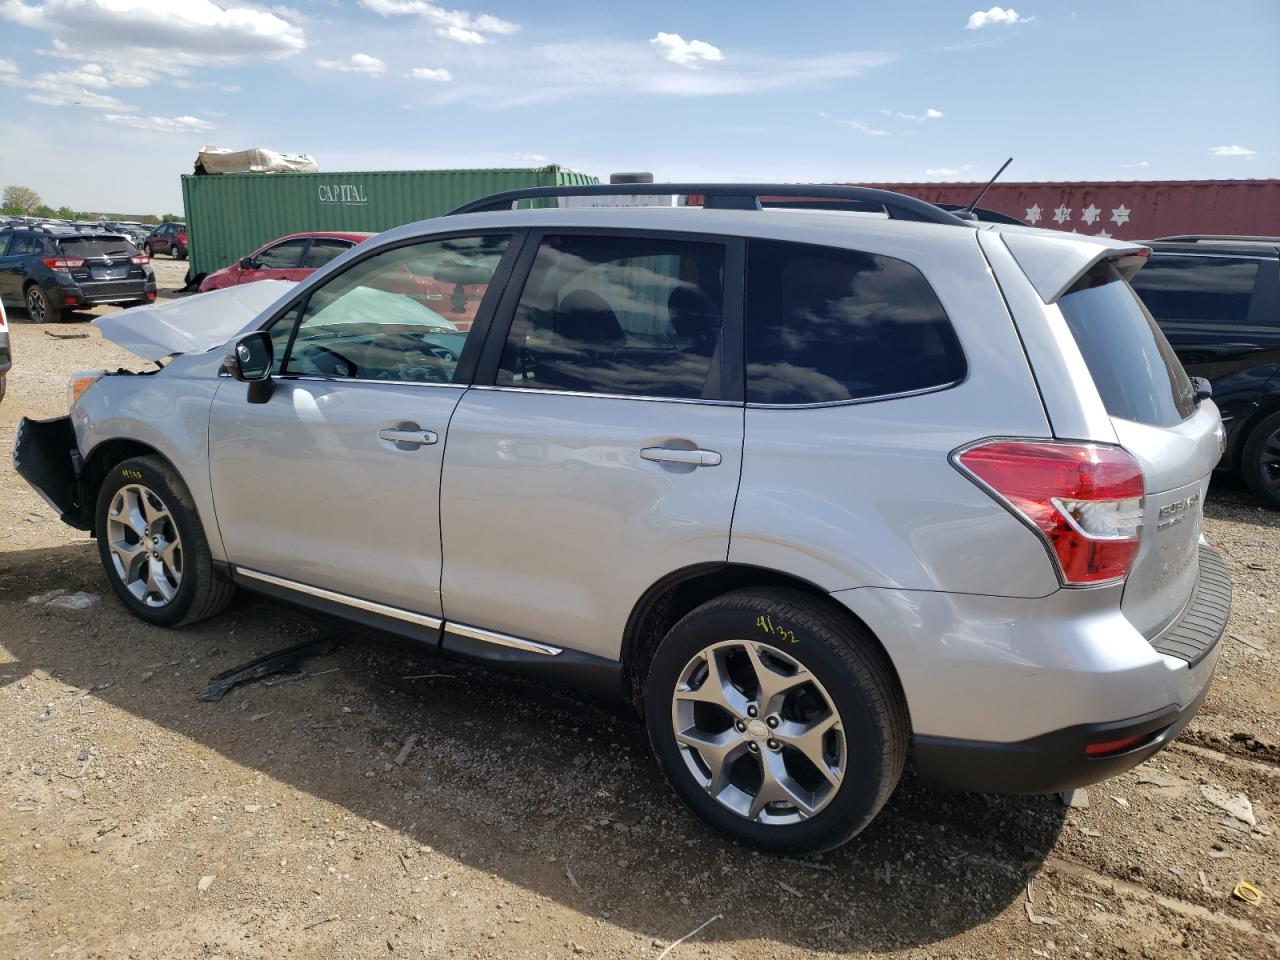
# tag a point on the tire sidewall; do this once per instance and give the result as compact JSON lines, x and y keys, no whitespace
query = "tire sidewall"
{"x":1251,"y":464}
{"x":143,"y":471}
{"x":867,"y":766}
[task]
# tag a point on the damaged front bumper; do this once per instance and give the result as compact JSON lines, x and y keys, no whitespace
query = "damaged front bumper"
{"x":47,"y":457}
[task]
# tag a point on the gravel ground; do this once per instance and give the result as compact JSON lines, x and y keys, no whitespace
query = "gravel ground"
{"x":387,"y":803}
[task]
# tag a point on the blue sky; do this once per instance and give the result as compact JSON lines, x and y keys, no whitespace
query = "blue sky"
{"x":104,"y":102}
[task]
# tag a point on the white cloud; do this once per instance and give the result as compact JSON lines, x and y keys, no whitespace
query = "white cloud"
{"x":460,"y":26}
{"x":171,"y":36}
{"x":687,"y":53}
{"x":8,"y":66}
{"x":462,"y":35}
{"x":77,"y":87}
{"x":430,"y":73}
{"x":1233,"y":150}
{"x":863,"y":127}
{"x":356,"y":63}
{"x":949,"y":172}
{"x":182,"y":124}
{"x":981,"y":18}
{"x":929,"y":114}
{"x":1140,"y":163}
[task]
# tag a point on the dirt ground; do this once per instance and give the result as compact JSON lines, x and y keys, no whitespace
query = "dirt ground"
{"x":384,"y":802}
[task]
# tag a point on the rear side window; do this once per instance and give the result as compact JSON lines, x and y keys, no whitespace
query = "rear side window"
{"x":324,"y":249}
{"x":1133,"y":366}
{"x":1214,"y":290}
{"x":826,"y":325}
{"x":91,"y":247}
{"x":632,"y":316}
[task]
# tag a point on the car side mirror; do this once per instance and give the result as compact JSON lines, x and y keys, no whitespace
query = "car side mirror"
{"x":1203,"y":388}
{"x":248,"y":359}
{"x":246,"y":263}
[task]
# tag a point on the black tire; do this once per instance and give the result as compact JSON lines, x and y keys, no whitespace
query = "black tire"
{"x":201,"y":593}
{"x":39,"y":309}
{"x":179,"y":253}
{"x":857,"y":677}
{"x":1260,"y":461}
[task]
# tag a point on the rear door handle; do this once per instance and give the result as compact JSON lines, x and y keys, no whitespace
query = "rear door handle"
{"x":697,"y":458}
{"x":415,"y":438}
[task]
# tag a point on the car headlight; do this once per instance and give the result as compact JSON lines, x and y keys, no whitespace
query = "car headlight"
{"x":81,"y":381}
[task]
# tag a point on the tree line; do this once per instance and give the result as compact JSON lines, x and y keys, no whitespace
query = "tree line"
{"x":24,"y":202}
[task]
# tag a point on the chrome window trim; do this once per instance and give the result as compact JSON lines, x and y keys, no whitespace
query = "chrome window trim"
{"x":421,"y":619}
{"x":502,"y":639}
{"x":607,"y":396}
{"x":876,"y":398}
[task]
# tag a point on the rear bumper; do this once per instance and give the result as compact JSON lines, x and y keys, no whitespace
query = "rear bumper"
{"x":1059,"y":759}
{"x":1006,"y":693}
{"x":123,"y":291}
{"x":1052,"y":761}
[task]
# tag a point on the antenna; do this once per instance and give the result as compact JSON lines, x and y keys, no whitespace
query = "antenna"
{"x":967,"y":212}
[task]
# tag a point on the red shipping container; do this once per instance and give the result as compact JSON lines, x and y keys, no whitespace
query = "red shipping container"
{"x":1124,"y":209}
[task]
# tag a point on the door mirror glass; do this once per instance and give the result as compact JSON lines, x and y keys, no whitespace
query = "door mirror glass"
{"x":249,"y":357}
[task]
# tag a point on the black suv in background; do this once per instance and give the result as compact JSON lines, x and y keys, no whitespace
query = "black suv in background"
{"x":1217,"y":299}
{"x":49,"y":269}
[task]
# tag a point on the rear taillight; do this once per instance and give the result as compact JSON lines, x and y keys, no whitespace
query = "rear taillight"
{"x":1084,"y":499}
{"x":182,"y":239}
{"x":141,"y":260}
{"x":63,"y":263}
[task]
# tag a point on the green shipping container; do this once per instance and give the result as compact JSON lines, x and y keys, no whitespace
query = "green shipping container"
{"x":229,"y":216}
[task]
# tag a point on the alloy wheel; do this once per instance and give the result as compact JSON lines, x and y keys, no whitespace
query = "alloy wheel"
{"x":146,"y":550}
{"x":36,"y":310}
{"x":759,"y":732}
{"x":1269,"y":461}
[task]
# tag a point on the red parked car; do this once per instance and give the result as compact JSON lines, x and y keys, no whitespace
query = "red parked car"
{"x":294,"y":257}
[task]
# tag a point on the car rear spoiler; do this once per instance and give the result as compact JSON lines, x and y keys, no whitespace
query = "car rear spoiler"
{"x":1053,"y":262}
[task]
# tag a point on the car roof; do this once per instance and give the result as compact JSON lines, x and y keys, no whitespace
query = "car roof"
{"x":355,"y":235}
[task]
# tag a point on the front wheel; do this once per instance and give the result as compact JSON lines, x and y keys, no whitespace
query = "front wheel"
{"x":777,"y":720}
{"x":153,"y":546}
{"x":1260,"y":461}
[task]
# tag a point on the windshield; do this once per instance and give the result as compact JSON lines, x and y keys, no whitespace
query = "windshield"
{"x":1133,"y":366}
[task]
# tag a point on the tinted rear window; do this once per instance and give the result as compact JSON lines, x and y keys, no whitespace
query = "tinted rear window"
{"x":826,"y":324}
{"x":89,"y":247}
{"x":1215,"y":290}
{"x":1133,"y":366}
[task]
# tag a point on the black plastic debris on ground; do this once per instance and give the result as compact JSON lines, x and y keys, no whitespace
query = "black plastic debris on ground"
{"x":288,"y":660}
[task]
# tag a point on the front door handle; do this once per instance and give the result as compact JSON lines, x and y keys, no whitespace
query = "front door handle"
{"x":414,"y":437}
{"x":696,"y":458}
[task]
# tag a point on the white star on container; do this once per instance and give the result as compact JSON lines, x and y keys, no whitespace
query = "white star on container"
{"x":1090,"y":214}
{"x":1062,"y":214}
{"x":1103,"y":233}
{"x":1033,"y":214}
{"x":1120,"y":215}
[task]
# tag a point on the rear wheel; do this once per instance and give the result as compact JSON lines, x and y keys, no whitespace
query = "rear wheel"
{"x":39,"y":309}
{"x":1260,"y":461}
{"x":153,"y":546}
{"x":777,"y":720}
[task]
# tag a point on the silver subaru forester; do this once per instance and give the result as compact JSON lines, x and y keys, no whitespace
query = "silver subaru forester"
{"x":816,"y":489}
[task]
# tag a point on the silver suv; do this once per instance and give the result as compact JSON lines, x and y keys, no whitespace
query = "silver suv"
{"x":815,"y":489}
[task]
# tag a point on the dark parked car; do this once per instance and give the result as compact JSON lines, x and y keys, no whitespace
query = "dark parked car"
{"x":1218,"y":301}
{"x":170,"y":238}
{"x":48,"y":270}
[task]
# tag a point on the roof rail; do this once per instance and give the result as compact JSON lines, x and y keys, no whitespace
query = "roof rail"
{"x":734,"y":196}
{"x":1216,"y":238}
